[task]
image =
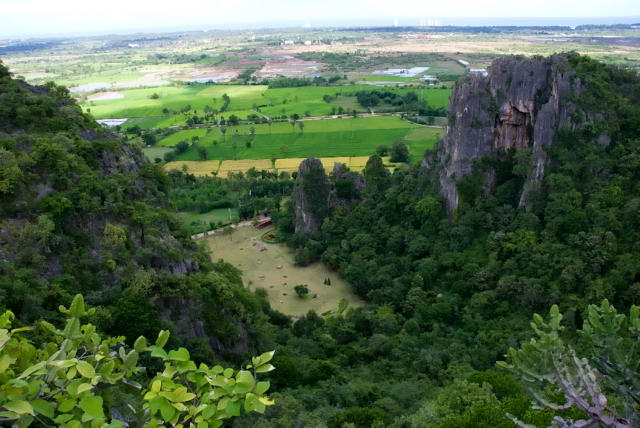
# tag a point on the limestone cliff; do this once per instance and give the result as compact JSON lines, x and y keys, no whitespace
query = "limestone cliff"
{"x":310,"y":196}
{"x":521,"y":103}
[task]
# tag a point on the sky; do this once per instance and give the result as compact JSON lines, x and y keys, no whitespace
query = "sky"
{"x":39,"y":17}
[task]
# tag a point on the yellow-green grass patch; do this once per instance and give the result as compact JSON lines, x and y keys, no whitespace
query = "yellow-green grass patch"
{"x":274,"y":271}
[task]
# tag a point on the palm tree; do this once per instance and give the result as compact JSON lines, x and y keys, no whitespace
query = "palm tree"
{"x":223,"y":129}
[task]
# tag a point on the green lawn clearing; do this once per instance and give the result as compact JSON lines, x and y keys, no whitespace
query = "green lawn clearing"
{"x":273,"y":270}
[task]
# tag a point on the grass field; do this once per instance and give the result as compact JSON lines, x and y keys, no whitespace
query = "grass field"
{"x":146,"y":112}
{"x":198,"y":223}
{"x":155,"y":152}
{"x":242,"y":248}
{"x":321,"y":138}
{"x":138,"y":102}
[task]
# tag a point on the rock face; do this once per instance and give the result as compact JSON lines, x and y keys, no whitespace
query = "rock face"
{"x":310,"y":196}
{"x":521,"y":103}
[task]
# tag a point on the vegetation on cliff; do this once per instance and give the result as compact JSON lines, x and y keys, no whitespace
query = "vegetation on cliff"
{"x":83,"y":212}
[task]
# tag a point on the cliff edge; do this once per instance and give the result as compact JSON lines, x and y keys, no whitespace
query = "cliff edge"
{"x":521,"y":103}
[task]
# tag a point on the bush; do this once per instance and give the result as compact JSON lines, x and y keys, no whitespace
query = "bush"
{"x":301,"y":290}
{"x":399,"y":152}
{"x":67,"y":381}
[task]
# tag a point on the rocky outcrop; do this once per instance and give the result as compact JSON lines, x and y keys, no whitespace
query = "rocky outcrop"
{"x":310,"y":196}
{"x":521,"y":103}
{"x":347,"y":186}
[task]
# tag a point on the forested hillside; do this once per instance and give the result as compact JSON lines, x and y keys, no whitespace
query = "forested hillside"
{"x":83,"y":212}
{"x":449,"y":295}
{"x":449,"y":287}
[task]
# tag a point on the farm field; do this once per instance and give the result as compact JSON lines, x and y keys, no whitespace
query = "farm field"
{"x":242,"y":248}
{"x":321,"y":138}
{"x":145,"y":106}
{"x":155,"y":152}
{"x":139,"y":102}
{"x":223,"y":168}
{"x":198,"y":223}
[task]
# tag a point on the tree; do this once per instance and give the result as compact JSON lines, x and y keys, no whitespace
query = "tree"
{"x":69,"y":381}
{"x":382,"y":150}
{"x":399,"y":152}
{"x":376,"y":175}
{"x":609,"y":366}
{"x":301,"y":290}
{"x":182,"y":146}
{"x":202,"y":153}
{"x":223,"y":129}
{"x":149,"y":138}
{"x":301,"y":126}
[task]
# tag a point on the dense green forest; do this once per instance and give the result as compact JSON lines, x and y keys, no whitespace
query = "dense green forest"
{"x":83,"y":212}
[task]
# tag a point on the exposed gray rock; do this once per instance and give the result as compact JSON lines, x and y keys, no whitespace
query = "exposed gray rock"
{"x":520,"y":103}
{"x":310,"y":196}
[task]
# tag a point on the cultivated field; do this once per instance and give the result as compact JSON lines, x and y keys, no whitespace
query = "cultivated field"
{"x":273,"y":270}
{"x":223,"y":168}
{"x":146,"y":106}
{"x":321,"y":138}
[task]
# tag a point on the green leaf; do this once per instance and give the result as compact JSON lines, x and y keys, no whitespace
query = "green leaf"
{"x":266,"y":357}
{"x":227,"y":373}
{"x":156,"y":385}
{"x":63,"y":418}
{"x":262,"y":387}
{"x":233,"y":408}
{"x":71,"y":373}
{"x":131,"y":360}
{"x":33,"y":369}
{"x":92,"y":406}
{"x":86,"y":369}
{"x":209,"y":412}
{"x":66,"y":406}
{"x":84,"y":387}
{"x":178,"y":395}
{"x":167,"y":410}
{"x":265,"y":368}
{"x":77,"y":306}
{"x":19,"y":407}
{"x":250,"y":402}
{"x":163,"y":337}
{"x":5,"y":361}
{"x":158,"y":352}
{"x":180,"y":355}
{"x":43,"y":408}
{"x":141,"y":344}
{"x":244,"y":382}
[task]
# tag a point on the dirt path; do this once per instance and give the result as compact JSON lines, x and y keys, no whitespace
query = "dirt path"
{"x":221,"y":229}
